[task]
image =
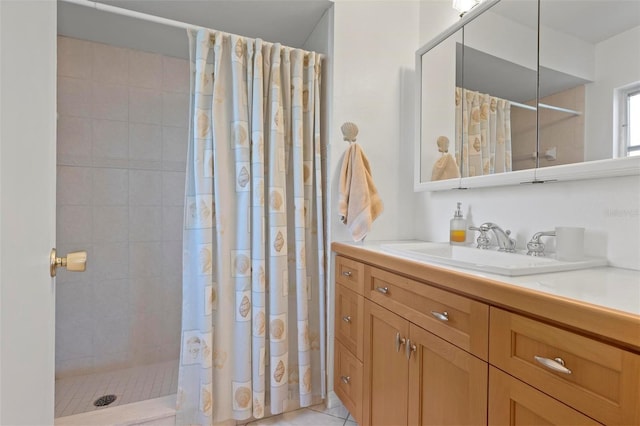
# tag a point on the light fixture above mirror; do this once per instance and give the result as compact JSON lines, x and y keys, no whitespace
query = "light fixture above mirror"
{"x":463,"y":6}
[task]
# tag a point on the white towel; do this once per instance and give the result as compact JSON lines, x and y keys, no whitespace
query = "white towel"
{"x":359,"y":203}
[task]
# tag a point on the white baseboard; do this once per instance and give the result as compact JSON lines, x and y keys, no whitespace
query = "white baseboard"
{"x":333,"y":400}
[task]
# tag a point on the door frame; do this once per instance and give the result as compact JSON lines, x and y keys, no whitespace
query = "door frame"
{"x":28,"y":31}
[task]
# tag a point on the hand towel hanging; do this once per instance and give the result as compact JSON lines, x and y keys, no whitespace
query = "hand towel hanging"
{"x":359,"y":203}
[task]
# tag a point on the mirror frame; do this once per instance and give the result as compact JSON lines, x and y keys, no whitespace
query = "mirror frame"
{"x":595,"y":169}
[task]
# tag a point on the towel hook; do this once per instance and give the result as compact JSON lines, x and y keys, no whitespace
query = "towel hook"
{"x":349,"y":131}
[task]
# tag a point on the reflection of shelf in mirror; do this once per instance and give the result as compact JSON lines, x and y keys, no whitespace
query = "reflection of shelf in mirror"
{"x":555,"y":108}
{"x":549,"y":155}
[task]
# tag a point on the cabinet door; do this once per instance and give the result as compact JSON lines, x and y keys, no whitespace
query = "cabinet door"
{"x":447,"y":386}
{"x":385,"y":368}
{"x":512,"y":402}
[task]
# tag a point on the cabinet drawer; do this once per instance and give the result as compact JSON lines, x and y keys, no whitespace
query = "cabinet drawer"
{"x":349,"y":312}
{"x":350,"y":274}
{"x":347,"y":380}
{"x":600,"y":380}
{"x":457,"y":319}
{"x":514,"y":403}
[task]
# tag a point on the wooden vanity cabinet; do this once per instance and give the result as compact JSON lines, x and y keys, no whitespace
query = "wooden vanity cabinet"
{"x":595,"y":378}
{"x":459,"y":320}
{"x":447,"y":386}
{"x":411,"y":376}
{"x":423,"y":355}
{"x":349,"y":311}
{"x":514,"y":403}
{"x":386,"y":369}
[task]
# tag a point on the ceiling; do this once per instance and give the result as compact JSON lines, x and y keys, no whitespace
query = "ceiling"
{"x":590,"y":20}
{"x":289,"y":22}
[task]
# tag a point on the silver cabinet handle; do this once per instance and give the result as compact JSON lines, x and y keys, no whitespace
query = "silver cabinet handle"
{"x":383,"y":290}
{"x":347,"y":273}
{"x":410,"y":347}
{"x":345,"y":379}
{"x":346,"y":319}
{"x":442,"y":316}
{"x":399,"y":342}
{"x":556,"y":364}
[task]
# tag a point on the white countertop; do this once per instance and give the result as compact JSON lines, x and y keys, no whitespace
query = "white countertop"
{"x":612,"y":288}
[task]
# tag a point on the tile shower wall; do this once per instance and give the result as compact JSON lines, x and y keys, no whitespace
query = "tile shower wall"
{"x":122,"y":142}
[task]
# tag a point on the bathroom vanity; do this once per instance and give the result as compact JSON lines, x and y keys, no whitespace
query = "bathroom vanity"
{"x":418,"y":343}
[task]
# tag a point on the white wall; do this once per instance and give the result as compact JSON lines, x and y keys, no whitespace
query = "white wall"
{"x":371,"y":61}
{"x":554,"y":46}
{"x":515,"y":42}
{"x":609,"y":209}
{"x":373,"y":86}
{"x":321,"y":40}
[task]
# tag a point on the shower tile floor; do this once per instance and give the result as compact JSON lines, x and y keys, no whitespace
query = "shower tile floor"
{"x":76,"y":394}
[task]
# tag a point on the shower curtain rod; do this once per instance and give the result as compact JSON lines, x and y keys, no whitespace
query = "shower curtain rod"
{"x":132,"y":14}
{"x":545,"y":106}
{"x":147,"y":17}
{"x":555,"y":108}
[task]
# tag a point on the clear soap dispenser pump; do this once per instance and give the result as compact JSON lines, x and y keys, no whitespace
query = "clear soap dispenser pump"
{"x":458,"y":228}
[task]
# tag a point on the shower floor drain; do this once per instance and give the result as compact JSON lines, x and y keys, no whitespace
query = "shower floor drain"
{"x":104,"y":400}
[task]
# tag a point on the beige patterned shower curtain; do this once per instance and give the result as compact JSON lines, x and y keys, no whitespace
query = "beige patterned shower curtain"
{"x":254,"y":255}
{"x":483,"y":133}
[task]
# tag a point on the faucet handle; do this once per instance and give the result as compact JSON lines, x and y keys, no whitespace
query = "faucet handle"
{"x":483,"y":238}
{"x":535,"y":247}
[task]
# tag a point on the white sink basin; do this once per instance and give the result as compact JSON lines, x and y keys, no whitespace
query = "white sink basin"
{"x":491,"y":261}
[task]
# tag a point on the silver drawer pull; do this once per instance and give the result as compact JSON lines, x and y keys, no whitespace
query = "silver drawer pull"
{"x":556,"y":364}
{"x":346,"y":319}
{"x":399,"y":341}
{"x":383,"y":290}
{"x":347,"y":273}
{"x":345,"y":379}
{"x":442,"y":316}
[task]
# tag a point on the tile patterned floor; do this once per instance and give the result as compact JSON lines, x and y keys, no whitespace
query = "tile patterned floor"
{"x":317,"y":415}
{"x":76,"y":394}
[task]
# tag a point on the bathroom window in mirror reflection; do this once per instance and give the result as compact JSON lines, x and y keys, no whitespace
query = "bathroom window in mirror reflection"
{"x":630,"y":120}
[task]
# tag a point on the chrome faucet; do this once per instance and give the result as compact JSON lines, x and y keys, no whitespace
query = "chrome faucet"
{"x":535,"y":247}
{"x":505,"y":242}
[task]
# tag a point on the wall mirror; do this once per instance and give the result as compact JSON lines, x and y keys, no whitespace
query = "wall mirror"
{"x":529,"y":91}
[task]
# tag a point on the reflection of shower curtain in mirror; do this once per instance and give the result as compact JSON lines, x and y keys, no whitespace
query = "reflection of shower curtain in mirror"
{"x":483,"y":133}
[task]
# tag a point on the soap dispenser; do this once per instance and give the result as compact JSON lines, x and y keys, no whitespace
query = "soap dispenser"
{"x":458,"y":228}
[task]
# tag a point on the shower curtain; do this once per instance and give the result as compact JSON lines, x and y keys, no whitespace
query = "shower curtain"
{"x":254,"y":255}
{"x":483,"y":133}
